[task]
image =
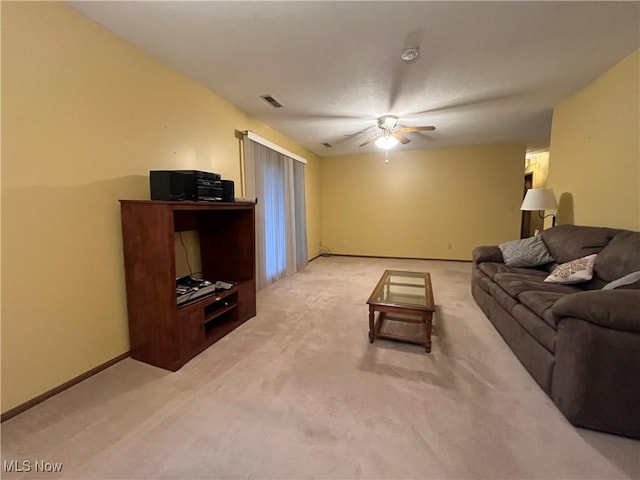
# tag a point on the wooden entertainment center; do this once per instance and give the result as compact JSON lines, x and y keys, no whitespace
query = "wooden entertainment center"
{"x":161,"y":332}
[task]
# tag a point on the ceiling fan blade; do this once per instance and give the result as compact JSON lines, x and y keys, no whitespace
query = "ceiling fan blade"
{"x":472,"y":103}
{"x":401,"y":138}
{"x":348,"y":136}
{"x":423,"y":128}
{"x":372,"y":139}
{"x":360,"y":132}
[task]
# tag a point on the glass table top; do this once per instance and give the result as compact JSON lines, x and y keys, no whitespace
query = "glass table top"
{"x":403,"y":288}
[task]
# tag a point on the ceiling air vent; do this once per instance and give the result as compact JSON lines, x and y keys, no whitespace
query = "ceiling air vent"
{"x":271,"y":101}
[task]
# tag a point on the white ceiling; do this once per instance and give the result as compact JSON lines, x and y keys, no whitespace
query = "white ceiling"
{"x":487,"y":72}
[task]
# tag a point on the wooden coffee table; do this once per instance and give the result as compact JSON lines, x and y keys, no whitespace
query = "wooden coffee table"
{"x":404,"y":302}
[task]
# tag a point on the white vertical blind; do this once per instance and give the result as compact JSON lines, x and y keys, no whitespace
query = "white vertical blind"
{"x":300,"y":223}
{"x":274,"y":179}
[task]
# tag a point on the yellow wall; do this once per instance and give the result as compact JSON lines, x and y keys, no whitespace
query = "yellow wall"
{"x":313,"y":193}
{"x":595,"y":150}
{"x":85,"y":116}
{"x":426,"y":204}
{"x":538,"y":165}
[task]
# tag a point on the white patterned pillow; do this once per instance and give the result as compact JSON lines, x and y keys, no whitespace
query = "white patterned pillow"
{"x":575,"y":271}
{"x":528,"y":252}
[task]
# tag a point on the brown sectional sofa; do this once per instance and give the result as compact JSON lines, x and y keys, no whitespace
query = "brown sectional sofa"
{"x":579,"y":342}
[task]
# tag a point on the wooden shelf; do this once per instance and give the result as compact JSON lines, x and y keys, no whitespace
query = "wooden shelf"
{"x":165,"y":334}
{"x":210,"y":316}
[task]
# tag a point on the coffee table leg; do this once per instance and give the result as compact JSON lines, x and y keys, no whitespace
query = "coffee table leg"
{"x":371,"y":322}
{"x":427,"y":340}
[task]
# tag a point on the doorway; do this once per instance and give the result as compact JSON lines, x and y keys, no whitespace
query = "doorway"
{"x":525,"y":223}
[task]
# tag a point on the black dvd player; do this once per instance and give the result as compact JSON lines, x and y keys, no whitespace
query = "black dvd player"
{"x":193,"y":185}
{"x":189,"y":288}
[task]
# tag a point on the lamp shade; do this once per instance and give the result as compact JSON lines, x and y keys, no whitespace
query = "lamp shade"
{"x":539,"y":199}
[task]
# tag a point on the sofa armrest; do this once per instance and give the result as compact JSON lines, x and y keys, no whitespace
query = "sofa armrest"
{"x":487,"y":253}
{"x":616,"y":309}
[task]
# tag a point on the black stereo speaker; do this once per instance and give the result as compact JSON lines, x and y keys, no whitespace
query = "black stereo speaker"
{"x":228,"y":191}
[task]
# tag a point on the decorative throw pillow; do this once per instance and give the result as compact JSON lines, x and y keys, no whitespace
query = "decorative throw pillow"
{"x":528,"y":252}
{"x":630,"y":281}
{"x":575,"y":271}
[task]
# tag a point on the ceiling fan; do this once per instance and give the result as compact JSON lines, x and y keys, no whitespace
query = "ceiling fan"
{"x":391,"y":132}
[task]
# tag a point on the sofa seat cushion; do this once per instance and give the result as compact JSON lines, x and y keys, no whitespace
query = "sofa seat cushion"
{"x":538,"y":328}
{"x":491,"y":268}
{"x":482,"y":280}
{"x":540,"y":303}
{"x":514,"y":284}
{"x":506,"y":301}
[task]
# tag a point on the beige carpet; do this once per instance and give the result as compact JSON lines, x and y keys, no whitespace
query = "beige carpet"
{"x":298,"y":392}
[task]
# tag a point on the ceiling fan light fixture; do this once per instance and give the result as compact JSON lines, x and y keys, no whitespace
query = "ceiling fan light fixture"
{"x":410,"y":53}
{"x":386,"y":142}
{"x":387,"y":122}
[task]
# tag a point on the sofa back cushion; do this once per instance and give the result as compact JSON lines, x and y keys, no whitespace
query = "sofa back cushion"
{"x":620,"y":257}
{"x":568,"y":242}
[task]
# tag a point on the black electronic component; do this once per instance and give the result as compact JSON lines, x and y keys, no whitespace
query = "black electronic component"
{"x":190,"y":185}
{"x":228,"y":191}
